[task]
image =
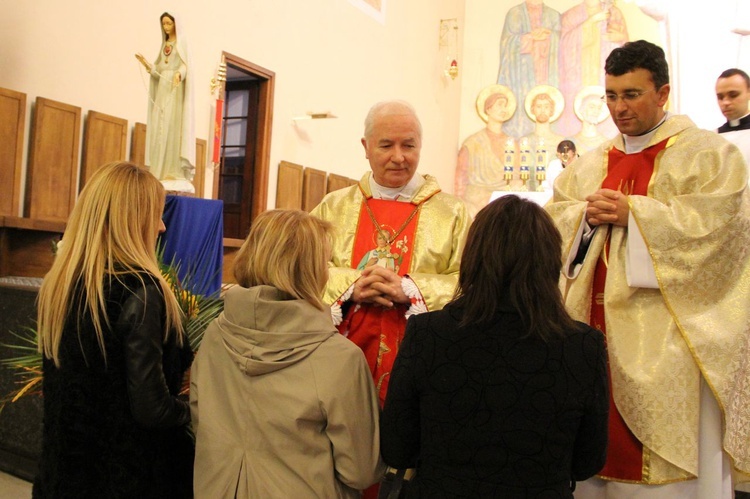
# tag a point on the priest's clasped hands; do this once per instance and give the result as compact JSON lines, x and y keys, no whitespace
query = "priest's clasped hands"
{"x":380,"y":286}
{"x":607,"y":206}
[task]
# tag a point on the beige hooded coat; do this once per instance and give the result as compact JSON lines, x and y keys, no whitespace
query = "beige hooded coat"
{"x":282,"y":405}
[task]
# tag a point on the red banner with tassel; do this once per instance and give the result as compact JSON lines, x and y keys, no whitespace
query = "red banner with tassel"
{"x":217,"y":130}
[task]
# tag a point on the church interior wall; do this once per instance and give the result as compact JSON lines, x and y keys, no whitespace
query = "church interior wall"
{"x":327,"y":55}
{"x":700,"y":44}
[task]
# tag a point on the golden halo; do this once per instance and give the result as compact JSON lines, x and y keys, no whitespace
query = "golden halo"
{"x":491,"y":90}
{"x":554,"y":93}
{"x":595,"y":91}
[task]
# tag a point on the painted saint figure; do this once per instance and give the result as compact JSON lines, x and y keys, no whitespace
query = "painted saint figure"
{"x":170,"y":137}
{"x":543,"y":104}
{"x":589,"y":32}
{"x":528,"y":54}
{"x":591,"y":110}
{"x":482,"y":157}
{"x":381,"y":255}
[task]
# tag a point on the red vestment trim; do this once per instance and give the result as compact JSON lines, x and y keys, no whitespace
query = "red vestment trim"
{"x":390,"y":215}
{"x":376,"y":330}
{"x":629,"y":174}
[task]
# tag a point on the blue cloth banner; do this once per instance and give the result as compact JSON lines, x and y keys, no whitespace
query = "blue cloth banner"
{"x":194,"y":239}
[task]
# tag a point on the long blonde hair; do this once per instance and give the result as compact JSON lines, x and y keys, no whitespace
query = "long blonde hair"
{"x":111,"y":232}
{"x":289,"y":250}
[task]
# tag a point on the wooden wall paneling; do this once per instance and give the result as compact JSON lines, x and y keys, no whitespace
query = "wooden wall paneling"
{"x":336,"y":182}
{"x":231,"y":248}
{"x":227,"y":267}
{"x":26,"y":245}
{"x":289,"y":186}
{"x":201,"y":149}
{"x":138,"y":145}
{"x":34,"y":224}
{"x":313,"y":188}
{"x":104,"y":141}
{"x":53,"y":161}
{"x":28,"y":253}
{"x":12,"y":122}
{"x":4,"y":252}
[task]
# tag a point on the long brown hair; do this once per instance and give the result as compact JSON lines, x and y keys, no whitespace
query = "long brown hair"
{"x":110,"y":233}
{"x":513,"y":255}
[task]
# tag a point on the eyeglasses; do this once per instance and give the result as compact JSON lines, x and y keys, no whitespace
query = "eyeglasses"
{"x":631,"y":96}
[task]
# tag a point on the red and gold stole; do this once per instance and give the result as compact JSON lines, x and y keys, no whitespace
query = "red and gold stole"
{"x":376,"y":330}
{"x":629,"y":174}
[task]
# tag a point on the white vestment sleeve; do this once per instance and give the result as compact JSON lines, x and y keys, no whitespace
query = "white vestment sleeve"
{"x":639,"y":268}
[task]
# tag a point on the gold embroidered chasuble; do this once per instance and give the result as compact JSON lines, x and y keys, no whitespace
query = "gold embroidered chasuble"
{"x":695,"y":222}
{"x":443,"y":224}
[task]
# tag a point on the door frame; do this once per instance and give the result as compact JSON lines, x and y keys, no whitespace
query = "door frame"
{"x":266,"y":79}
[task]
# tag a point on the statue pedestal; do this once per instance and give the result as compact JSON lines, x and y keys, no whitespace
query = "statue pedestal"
{"x":182,"y":187}
{"x":194,"y":237}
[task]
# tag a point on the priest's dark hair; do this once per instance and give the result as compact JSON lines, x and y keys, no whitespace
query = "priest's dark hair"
{"x":513,"y":255}
{"x":639,"y":54}
{"x":728,"y":73}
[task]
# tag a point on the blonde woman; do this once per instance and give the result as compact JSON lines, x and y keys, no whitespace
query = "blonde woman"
{"x":110,"y":333}
{"x":282,"y":404}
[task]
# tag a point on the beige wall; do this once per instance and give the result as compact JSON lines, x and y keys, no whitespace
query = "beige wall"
{"x":328,"y":55}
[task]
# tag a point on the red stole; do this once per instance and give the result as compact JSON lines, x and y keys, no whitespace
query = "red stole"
{"x":629,"y":174}
{"x":376,"y":330}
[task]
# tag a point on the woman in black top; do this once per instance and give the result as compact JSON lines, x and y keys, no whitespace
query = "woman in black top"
{"x":500,"y":394}
{"x":114,"y":355}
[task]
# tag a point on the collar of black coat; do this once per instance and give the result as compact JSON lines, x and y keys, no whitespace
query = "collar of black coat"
{"x":744,"y":124}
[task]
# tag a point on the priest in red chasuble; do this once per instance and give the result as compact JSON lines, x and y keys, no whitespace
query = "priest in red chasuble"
{"x":398,"y":241}
{"x":656,"y":229}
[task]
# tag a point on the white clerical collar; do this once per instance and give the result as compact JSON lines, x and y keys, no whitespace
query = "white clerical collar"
{"x":637,"y":143}
{"x":403,"y":193}
{"x":736,"y":123}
